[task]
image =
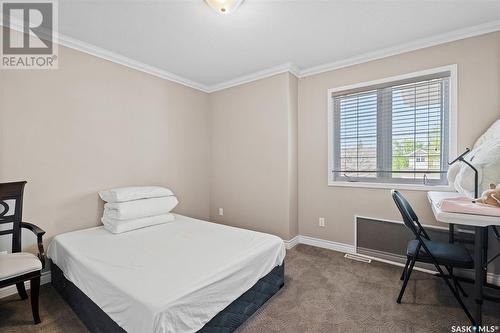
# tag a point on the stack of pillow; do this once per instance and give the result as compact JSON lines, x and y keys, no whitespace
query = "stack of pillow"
{"x":129,"y":208}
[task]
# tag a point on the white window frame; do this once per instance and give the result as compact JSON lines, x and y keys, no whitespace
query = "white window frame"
{"x":452,"y":130}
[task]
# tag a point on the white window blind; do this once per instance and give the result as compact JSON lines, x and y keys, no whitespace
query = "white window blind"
{"x":396,"y":132}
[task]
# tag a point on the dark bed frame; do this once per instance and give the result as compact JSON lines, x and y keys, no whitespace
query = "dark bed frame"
{"x":228,"y":320}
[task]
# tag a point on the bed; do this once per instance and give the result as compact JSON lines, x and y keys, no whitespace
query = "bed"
{"x":187,"y":275}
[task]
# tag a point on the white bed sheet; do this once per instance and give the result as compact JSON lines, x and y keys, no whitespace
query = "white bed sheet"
{"x":172,"y":277}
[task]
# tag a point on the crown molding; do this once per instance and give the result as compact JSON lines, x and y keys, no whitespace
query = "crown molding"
{"x":128,"y":62}
{"x":114,"y":57}
{"x":403,"y":48}
{"x":283,"y":68}
{"x":363,"y":58}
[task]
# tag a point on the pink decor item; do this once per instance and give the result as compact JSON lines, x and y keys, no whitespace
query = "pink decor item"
{"x":465,"y":205}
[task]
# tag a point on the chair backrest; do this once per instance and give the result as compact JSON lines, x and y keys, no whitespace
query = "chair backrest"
{"x":11,"y":211}
{"x":410,"y":219}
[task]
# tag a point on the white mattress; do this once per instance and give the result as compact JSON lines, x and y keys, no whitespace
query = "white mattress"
{"x":172,"y":277}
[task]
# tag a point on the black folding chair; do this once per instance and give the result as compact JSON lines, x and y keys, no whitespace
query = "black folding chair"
{"x":423,"y":249}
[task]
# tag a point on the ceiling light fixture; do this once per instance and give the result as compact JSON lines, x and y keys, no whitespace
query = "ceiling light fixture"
{"x":224,"y":6}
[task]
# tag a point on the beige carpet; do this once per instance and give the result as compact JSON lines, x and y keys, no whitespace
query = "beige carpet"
{"x":323,"y":293}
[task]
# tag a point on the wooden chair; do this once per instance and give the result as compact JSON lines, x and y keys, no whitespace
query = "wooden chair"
{"x":18,"y":267}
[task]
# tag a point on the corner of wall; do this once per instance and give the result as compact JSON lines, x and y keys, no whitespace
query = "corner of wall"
{"x":292,"y":93}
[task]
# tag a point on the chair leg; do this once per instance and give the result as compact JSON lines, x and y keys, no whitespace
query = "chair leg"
{"x":35,"y":290}
{"x":405,"y":282}
{"x":456,"y":294}
{"x":458,"y":286}
{"x":21,"y":290}
{"x":405,"y":269}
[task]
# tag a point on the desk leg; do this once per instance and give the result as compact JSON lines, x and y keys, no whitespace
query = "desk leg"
{"x":485,"y":255}
{"x":451,"y":239}
{"x":479,"y":262}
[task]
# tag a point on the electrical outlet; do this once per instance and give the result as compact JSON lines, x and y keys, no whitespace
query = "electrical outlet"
{"x":221,"y":211}
{"x":321,"y":221}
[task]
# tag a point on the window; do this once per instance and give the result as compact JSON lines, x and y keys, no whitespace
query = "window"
{"x":393,"y":131}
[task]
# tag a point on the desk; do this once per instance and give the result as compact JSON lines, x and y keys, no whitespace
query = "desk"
{"x":480,"y":224}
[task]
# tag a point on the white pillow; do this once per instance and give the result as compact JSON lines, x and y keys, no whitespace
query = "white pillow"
{"x":140,"y":208}
{"x":119,"y":226}
{"x":130,"y":193}
{"x":452,"y":173}
{"x":486,"y":159}
{"x":492,"y":133}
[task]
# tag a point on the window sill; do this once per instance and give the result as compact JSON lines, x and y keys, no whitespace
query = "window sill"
{"x":412,"y":187}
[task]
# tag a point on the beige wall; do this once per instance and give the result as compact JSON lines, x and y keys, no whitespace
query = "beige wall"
{"x":253,"y":149}
{"x":93,"y":124}
{"x":249,"y":126}
{"x":478,"y":62}
{"x":258,"y":150}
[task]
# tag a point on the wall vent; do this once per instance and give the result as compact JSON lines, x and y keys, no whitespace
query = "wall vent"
{"x":387,"y":240}
{"x":357,"y":258}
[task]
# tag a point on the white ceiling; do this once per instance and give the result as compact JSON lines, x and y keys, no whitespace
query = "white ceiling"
{"x":189,"y":39}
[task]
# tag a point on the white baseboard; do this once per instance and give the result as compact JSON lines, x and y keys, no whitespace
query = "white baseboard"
{"x":289,"y":244}
{"x":325,"y":244}
{"x":11,"y":290}
{"x":493,"y":279}
{"x":347,"y":248}
{"x":490,"y":277}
